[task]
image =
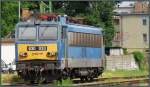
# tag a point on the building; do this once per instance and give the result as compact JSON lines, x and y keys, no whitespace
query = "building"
{"x":141,"y":7}
{"x":125,"y":7}
{"x":138,"y":6}
{"x":8,"y":50}
{"x":132,"y":31}
{"x":132,"y":27}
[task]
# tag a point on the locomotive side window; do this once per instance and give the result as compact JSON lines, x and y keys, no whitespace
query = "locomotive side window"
{"x":84,"y":39}
{"x":27,"y":33}
{"x":78,"y":36}
{"x":47,"y":33}
{"x":70,"y":37}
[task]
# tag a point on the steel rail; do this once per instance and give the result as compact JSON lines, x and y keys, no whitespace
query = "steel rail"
{"x":99,"y":81}
{"x":114,"y":83}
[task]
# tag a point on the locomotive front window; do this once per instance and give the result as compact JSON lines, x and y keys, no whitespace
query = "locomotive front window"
{"x":27,"y":33}
{"x":47,"y":33}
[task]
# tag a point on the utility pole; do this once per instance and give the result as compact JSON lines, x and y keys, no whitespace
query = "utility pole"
{"x":43,"y":7}
{"x":149,"y":37}
{"x":50,"y":6}
{"x":0,"y":37}
{"x":19,"y":7}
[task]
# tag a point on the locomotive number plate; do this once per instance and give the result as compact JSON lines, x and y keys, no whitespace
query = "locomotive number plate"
{"x":37,"y":48}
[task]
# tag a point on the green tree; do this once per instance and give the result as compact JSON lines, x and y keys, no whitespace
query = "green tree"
{"x":96,"y":13}
{"x":100,"y":15}
{"x":76,"y":8}
{"x":71,"y":8}
{"x":9,"y":16}
{"x":59,"y":7}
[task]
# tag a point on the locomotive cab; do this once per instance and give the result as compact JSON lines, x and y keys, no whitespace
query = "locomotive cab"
{"x":37,"y":42}
{"x":37,"y":49}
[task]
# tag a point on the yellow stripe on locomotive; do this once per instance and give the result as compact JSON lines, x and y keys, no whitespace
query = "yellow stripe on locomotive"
{"x":37,"y":51}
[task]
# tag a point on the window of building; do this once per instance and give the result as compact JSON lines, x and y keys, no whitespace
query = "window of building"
{"x":144,"y":21}
{"x":145,"y":38}
{"x":117,"y":36}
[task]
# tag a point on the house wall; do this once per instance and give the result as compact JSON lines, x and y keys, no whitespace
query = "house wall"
{"x":8,"y":52}
{"x":141,"y":6}
{"x":133,"y":30}
{"x":123,"y":62}
{"x":116,"y":51}
{"x":124,"y":10}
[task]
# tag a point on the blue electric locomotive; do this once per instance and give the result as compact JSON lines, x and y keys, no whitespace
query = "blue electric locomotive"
{"x":50,"y":50}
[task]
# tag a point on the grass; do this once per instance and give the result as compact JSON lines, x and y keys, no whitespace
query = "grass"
{"x":124,"y":73}
{"x":67,"y":82}
{"x":13,"y":78}
{"x":10,"y":78}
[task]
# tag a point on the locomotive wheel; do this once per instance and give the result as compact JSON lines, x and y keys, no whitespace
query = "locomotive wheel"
{"x":45,"y":81}
{"x":83,"y":79}
{"x":87,"y":79}
{"x":31,"y":81}
{"x":43,"y":77}
{"x":91,"y":78}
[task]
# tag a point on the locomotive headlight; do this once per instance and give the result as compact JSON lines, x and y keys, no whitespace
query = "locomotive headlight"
{"x":23,"y":54}
{"x":49,"y":54}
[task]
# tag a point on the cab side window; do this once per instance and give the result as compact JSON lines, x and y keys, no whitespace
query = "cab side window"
{"x":63,"y":32}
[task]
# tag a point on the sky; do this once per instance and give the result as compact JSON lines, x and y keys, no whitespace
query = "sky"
{"x":126,"y":3}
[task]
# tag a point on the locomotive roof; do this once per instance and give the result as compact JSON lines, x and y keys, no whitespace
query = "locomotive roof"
{"x":71,"y":27}
{"x":84,"y":28}
{"x":32,"y":23}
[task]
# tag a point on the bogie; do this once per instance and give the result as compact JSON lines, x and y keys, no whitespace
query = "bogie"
{"x":34,"y":75}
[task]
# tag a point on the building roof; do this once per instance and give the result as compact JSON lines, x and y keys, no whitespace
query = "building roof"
{"x":129,"y":14}
{"x":84,"y":28}
{"x":7,"y":40}
{"x":127,"y":4}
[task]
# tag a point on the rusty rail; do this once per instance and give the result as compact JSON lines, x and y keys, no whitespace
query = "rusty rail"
{"x":127,"y":81}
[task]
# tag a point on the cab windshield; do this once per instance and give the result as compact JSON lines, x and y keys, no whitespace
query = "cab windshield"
{"x":47,"y":33}
{"x":27,"y":33}
{"x":33,"y":33}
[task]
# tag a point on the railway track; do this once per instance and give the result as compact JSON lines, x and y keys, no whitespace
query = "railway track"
{"x":115,"y":81}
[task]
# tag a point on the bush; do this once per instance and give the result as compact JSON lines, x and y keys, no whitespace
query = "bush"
{"x":139,"y":58}
{"x":125,"y":51}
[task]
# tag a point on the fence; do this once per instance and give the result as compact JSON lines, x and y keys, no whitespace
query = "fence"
{"x":125,"y":62}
